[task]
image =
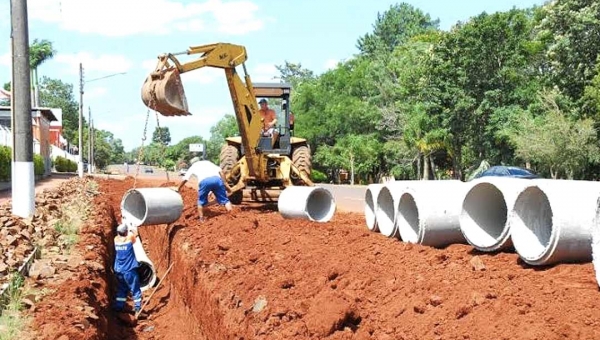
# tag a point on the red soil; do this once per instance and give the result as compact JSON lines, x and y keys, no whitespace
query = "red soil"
{"x":255,"y":275}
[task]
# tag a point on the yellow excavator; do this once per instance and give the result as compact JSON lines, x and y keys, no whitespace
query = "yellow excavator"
{"x":256,"y":166}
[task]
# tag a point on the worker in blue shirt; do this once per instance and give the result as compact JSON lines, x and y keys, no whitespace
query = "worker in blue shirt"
{"x":125,"y":268}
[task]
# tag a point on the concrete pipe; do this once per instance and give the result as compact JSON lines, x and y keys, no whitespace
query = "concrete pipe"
{"x":146,"y":269}
{"x":371,"y":205}
{"x":552,"y":220}
{"x":387,"y":206}
{"x":151,"y":206}
{"x":485,"y":209}
{"x":596,"y":242}
{"x":428,"y":213}
{"x":311,"y":203}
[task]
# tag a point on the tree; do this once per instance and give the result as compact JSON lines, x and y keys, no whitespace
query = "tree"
{"x":293,"y":73}
{"x":40,"y":51}
{"x":226,"y":127}
{"x":55,"y":93}
{"x":161,"y":135}
{"x":395,"y":27}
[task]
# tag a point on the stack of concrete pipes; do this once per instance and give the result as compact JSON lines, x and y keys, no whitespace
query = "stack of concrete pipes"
{"x":545,"y":221}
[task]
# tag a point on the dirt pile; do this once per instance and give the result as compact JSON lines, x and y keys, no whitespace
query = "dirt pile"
{"x":254,"y":275}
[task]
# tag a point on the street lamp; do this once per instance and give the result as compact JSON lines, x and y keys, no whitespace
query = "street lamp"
{"x":81,"y":82}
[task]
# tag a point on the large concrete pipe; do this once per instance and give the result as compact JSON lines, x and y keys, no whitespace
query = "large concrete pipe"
{"x":387,"y":206}
{"x":596,"y":242}
{"x":151,"y":206}
{"x":428,"y":213}
{"x":146,"y":269}
{"x":485,"y":209}
{"x":371,"y":205}
{"x":311,"y":203}
{"x":552,"y":221}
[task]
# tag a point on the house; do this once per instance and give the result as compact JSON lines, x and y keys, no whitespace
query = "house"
{"x":41,"y":120}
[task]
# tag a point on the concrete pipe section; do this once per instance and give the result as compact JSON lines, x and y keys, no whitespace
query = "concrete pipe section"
{"x":485,"y":209}
{"x":371,"y":205}
{"x":151,"y":206}
{"x":146,"y":269}
{"x":552,"y":220}
{"x":596,"y":242}
{"x":428,"y":213}
{"x":310,"y":203}
{"x":387,"y":207}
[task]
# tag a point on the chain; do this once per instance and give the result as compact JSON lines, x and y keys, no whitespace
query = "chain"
{"x":162,"y":145}
{"x":141,"y":152}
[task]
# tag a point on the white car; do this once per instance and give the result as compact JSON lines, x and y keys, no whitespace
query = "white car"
{"x":182,"y":171}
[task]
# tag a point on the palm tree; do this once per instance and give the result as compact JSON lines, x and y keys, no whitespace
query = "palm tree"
{"x":39,"y":52}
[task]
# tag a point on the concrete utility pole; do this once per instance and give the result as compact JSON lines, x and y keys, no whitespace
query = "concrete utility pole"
{"x":80,"y":154}
{"x":23,"y":190}
{"x":92,"y":163}
{"x":89,"y":140}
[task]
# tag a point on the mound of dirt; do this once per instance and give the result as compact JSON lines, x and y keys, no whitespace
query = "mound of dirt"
{"x":255,"y":275}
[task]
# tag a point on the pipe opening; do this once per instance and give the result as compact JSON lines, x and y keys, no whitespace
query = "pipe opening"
{"x":531,"y":224}
{"x":320,"y":205}
{"x":134,"y":205}
{"x":484,"y":215}
{"x":408,"y":218}
{"x":370,"y":209}
{"x":147,"y":275}
{"x":386,"y":213}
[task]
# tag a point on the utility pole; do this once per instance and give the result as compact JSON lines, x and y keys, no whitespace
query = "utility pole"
{"x":80,"y":153}
{"x":23,"y":190}
{"x":89,"y":140}
{"x":93,"y":164}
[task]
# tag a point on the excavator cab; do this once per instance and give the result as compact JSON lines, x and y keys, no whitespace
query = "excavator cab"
{"x":278,"y":96}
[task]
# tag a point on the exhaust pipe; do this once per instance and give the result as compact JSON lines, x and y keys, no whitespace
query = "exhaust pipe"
{"x":151,"y":206}
{"x":310,"y":203}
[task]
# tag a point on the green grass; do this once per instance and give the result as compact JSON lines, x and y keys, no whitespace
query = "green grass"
{"x":11,"y":321}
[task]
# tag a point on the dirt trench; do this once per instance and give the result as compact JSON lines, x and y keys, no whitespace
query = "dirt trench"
{"x":255,"y":275}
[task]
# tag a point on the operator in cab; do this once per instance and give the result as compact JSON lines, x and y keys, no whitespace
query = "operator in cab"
{"x":210,"y":179}
{"x":269,"y":118}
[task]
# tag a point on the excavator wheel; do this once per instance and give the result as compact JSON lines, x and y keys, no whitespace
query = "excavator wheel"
{"x":228,"y":158}
{"x":301,"y":158}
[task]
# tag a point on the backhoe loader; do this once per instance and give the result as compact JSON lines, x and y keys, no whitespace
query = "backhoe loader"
{"x":257,"y":167}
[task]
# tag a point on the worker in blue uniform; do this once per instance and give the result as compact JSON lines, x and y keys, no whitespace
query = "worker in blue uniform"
{"x":126,"y":268}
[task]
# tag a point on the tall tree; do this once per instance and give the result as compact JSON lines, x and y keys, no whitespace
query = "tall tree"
{"x":161,"y":135}
{"x":395,"y":27}
{"x":293,"y":73}
{"x":40,"y":51}
{"x":226,"y":127}
{"x":55,"y":93}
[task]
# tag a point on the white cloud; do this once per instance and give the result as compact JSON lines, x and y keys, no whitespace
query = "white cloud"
{"x":264,"y":73}
{"x":331,"y":64}
{"x":5,"y":59}
{"x":117,"y":18}
{"x":95,"y":92}
{"x":104,"y":63}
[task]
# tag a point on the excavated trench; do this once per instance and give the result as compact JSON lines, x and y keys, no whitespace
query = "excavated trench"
{"x":255,"y":275}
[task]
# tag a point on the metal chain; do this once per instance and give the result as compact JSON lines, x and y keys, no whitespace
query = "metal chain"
{"x":162,"y":145}
{"x":141,"y":151}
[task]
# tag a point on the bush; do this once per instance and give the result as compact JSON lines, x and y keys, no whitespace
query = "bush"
{"x":38,"y":165}
{"x":318,"y":176}
{"x":5,"y":163}
{"x":62,"y":164}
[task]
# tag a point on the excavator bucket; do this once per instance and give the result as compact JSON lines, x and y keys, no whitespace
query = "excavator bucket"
{"x":163,"y":92}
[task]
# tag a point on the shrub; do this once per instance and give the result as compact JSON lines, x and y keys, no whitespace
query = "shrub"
{"x":318,"y":176}
{"x":38,"y":165}
{"x":5,"y":163}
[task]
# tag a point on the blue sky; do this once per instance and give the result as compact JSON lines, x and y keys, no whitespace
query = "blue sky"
{"x":114,"y":36}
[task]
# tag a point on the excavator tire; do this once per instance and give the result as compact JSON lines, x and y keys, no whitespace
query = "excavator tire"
{"x":301,"y":158}
{"x":228,"y":158}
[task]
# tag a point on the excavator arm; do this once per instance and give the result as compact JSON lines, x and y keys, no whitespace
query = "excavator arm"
{"x":163,"y":91}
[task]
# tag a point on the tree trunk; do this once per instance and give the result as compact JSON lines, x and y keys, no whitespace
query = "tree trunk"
{"x":431,"y":158}
{"x":426,"y":170}
{"x":419,"y":165}
{"x":457,"y":163}
{"x":351,"y":169}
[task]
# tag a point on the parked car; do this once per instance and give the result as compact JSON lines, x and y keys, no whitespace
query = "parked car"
{"x":148,"y":170}
{"x":507,"y":171}
{"x":182,"y":171}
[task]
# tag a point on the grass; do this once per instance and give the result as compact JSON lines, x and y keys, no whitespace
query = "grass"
{"x":11,"y":321}
{"x":73,"y":216}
